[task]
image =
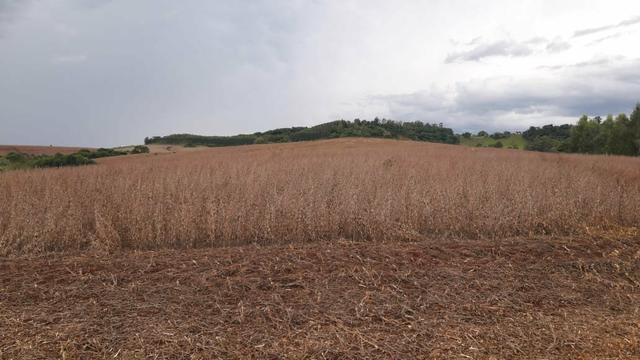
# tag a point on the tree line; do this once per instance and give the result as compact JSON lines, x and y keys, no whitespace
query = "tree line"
{"x":377,"y":128}
{"x":19,"y":160}
{"x":619,"y":135}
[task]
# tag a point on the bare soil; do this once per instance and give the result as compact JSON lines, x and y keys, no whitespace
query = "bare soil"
{"x":546,"y":297}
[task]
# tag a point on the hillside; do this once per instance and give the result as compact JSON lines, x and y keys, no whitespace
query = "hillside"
{"x":337,"y":129}
{"x":359,"y":189}
{"x":39,"y":150}
{"x":33,"y":158}
{"x":514,"y":141}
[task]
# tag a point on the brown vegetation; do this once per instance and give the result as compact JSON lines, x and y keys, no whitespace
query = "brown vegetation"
{"x":459,"y":253}
{"x":38,"y":150}
{"x":536,"y":298}
{"x":358,"y":189}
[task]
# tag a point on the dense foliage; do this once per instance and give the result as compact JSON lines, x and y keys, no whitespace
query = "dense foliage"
{"x":337,"y":129}
{"x":548,"y":138}
{"x":139,"y":149}
{"x":557,"y":132}
{"x":614,"y":136}
{"x":619,"y":136}
{"x":100,"y":153}
{"x":15,"y":160}
{"x":18,"y":160}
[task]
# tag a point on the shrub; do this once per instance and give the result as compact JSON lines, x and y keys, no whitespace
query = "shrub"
{"x":60,"y":160}
{"x":544,"y":144}
{"x":104,"y":152}
{"x":16,"y":157}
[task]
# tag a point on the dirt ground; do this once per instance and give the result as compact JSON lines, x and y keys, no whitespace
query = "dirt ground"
{"x":512,"y":298}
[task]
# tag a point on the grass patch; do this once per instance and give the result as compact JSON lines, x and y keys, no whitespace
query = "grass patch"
{"x":514,"y":141}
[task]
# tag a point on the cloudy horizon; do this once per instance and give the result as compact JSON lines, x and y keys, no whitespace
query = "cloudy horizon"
{"x":110,"y":72}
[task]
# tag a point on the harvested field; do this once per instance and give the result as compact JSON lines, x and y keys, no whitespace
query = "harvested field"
{"x":39,"y":150}
{"x":549,"y":297}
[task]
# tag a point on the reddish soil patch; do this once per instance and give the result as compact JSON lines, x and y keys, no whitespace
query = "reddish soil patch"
{"x":515,"y":298}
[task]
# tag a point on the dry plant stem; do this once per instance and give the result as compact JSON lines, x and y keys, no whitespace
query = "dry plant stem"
{"x":359,"y":189}
{"x":517,"y":298}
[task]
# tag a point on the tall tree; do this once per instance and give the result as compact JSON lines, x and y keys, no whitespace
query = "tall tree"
{"x":584,"y":136}
{"x":634,"y":123}
{"x":622,"y":141}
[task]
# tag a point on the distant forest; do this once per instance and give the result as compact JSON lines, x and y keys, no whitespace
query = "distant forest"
{"x":615,"y":136}
{"x":336,"y":129}
{"x":619,"y":135}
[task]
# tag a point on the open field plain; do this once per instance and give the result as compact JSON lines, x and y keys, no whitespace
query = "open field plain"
{"x":357,"y":189}
{"x":550,"y":297}
{"x":352,"y":248}
{"x":38,"y":150}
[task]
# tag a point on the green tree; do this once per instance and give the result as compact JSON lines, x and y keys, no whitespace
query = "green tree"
{"x":634,"y":124}
{"x":607,"y":132}
{"x":621,"y":141}
{"x":544,"y":144}
{"x":585,"y":136}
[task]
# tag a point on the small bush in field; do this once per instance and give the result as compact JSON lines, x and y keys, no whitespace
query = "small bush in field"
{"x":140,"y":149}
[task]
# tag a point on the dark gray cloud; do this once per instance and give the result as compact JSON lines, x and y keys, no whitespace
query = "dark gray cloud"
{"x":8,"y":6}
{"x":594,"y":30}
{"x":9,"y":10}
{"x":106,"y":72}
{"x":507,"y":103}
{"x":116,"y":72}
{"x":478,"y":49}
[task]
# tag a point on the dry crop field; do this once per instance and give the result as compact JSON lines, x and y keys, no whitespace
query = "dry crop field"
{"x":38,"y":150}
{"x":298,"y":193}
{"x":351,"y":248}
{"x":162,"y":149}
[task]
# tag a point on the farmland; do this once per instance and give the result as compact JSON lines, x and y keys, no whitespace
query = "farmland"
{"x":38,"y":150}
{"x":355,"y":189}
{"x":345,"y":248}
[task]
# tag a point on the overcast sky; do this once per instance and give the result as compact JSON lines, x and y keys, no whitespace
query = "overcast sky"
{"x":106,"y":73}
